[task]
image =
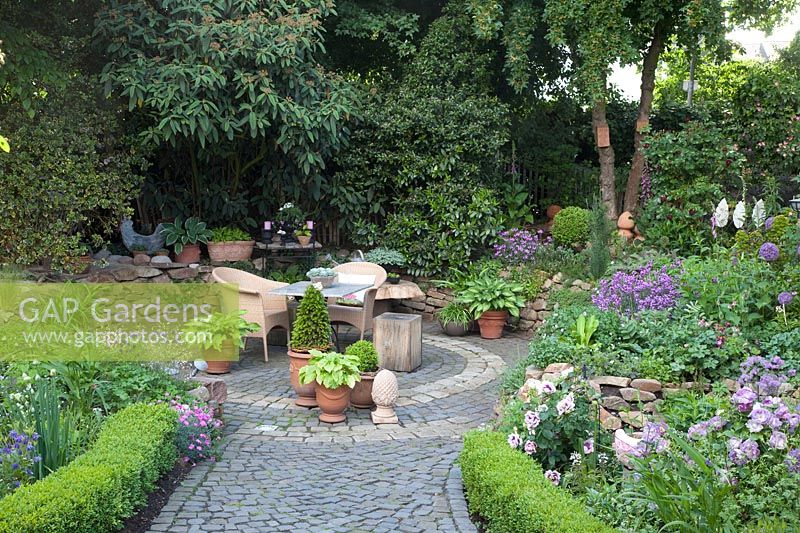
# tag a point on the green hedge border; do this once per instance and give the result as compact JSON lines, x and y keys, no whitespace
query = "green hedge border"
{"x":105,"y":485}
{"x":509,"y":491}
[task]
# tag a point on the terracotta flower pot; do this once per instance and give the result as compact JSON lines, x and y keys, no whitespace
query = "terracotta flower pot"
{"x":332,"y":403}
{"x":306,"y":394}
{"x":491,"y":324}
{"x":304,"y":240}
{"x":361,"y":396}
{"x":231,"y":251}
{"x":189,"y":254}
{"x":217,"y":363}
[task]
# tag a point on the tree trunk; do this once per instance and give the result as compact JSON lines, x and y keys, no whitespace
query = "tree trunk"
{"x":642,"y":118}
{"x":608,"y":193}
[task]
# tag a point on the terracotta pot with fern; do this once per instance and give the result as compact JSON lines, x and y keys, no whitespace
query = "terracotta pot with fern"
{"x":311,"y":331}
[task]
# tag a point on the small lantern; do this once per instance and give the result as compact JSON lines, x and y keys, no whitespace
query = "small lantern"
{"x":794,"y":203}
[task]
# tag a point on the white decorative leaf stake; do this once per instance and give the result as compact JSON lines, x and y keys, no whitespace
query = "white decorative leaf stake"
{"x":739,"y":215}
{"x":721,"y":213}
{"x":759,"y":214}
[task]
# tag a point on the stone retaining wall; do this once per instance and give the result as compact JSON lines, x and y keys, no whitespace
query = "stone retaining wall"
{"x":533,"y":314}
{"x":624,"y":401}
{"x":142,"y":269}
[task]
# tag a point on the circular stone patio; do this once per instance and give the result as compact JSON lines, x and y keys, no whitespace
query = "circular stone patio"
{"x":284,"y":470}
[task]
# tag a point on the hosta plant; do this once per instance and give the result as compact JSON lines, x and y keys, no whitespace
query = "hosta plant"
{"x":331,"y":370}
{"x":218,"y":328}
{"x":180,"y":233}
{"x":492,"y":294}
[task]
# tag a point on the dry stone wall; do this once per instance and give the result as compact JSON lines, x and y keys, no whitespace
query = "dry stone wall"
{"x":120,"y":268}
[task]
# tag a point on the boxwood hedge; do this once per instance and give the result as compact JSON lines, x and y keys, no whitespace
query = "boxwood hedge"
{"x":509,"y":491}
{"x":105,"y":485}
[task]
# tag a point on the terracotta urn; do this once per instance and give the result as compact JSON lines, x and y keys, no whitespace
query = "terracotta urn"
{"x":189,"y":254}
{"x":306,"y":394}
{"x":552,"y":211}
{"x":332,"y":403}
{"x":625,"y":221}
{"x":492,"y":323}
{"x":361,"y":396}
{"x":626,"y":233}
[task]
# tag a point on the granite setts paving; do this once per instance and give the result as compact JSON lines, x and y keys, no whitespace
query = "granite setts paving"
{"x":284,"y":470}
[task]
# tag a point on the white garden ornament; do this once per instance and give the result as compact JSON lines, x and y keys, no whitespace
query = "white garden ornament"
{"x":759,"y":214}
{"x":739,"y":215}
{"x":721,"y":214}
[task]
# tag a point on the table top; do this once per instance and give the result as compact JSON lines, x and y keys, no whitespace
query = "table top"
{"x":337,"y":290}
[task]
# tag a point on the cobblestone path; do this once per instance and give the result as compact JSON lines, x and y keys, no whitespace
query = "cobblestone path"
{"x":284,"y":470}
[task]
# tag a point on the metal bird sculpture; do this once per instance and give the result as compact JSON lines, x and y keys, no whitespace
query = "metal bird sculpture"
{"x":131,"y":239}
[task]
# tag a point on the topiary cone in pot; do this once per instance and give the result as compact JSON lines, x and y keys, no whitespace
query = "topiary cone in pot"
{"x":333,"y":375}
{"x":311,"y":331}
{"x":492,"y":299}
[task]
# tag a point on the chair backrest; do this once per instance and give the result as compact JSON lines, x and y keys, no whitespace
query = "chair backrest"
{"x":244,"y":279}
{"x":363,"y":268}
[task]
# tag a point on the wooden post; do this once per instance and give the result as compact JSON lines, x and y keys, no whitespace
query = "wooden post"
{"x":398,"y":339}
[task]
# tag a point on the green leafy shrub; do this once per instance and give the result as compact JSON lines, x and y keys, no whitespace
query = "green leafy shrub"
{"x":102,"y":487}
{"x":229,"y":234}
{"x":385,"y":257}
{"x":366,"y":353}
{"x":312,"y":325}
{"x":564,"y":297}
{"x":69,"y":181}
{"x":510,"y":492}
{"x":571,"y":226}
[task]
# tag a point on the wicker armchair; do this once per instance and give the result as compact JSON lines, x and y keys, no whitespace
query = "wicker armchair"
{"x":266,"y":310}
{"x":359,"y":317}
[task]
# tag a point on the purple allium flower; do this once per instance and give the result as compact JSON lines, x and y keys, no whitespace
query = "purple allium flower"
{"x":793,"y":461}
{"x":530,"y":447}
{"x":639,"y":290}
{"x":769,"y":252}
{"x":588,"y":446}
{"x":553,"y":476}
{"x":532,"y":420}
{"x":786,"y":297}
{"x":778,"y":440}
{"x":566,"y":405}
{"x":514,"y":440}
{"x":744,"y":399}
{"x":768,"y":223}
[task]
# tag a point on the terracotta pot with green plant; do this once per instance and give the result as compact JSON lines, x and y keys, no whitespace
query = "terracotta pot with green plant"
{"x":139,"y":249}
{"x":492,"y":299}
{"x":185,"y":238}
{"x":219,"y":335}
{"x":303,"y":236}
{"x":230,"y":244}
{"x":333,"y":375}
{"x":455,"y":319}
{"x":361,"y":396}
{"x":311,"y":331}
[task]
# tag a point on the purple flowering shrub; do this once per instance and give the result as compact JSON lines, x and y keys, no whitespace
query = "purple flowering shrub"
{"x":516,"y":246}
{"x":556,"y":422}
{"x":643,"y":289}
{"x":199,"y":432}
{"x":18,"y":456}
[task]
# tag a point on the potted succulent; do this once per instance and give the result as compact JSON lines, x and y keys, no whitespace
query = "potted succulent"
{"x":230,"y":244}
{"x":303,"y":236}
{"x":139,"y":249}
{"x":492,"y":299}
{"x":324,"y":276}
{"x":185,"y":236}
{"x":333,"y":375}
{"x":221,"y":333}
{"x":311,"y":331}
{"x":393,"y":278}
{"x":388,"y":258}
{"x":367,"y":355}
{"x":455,"y":319}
